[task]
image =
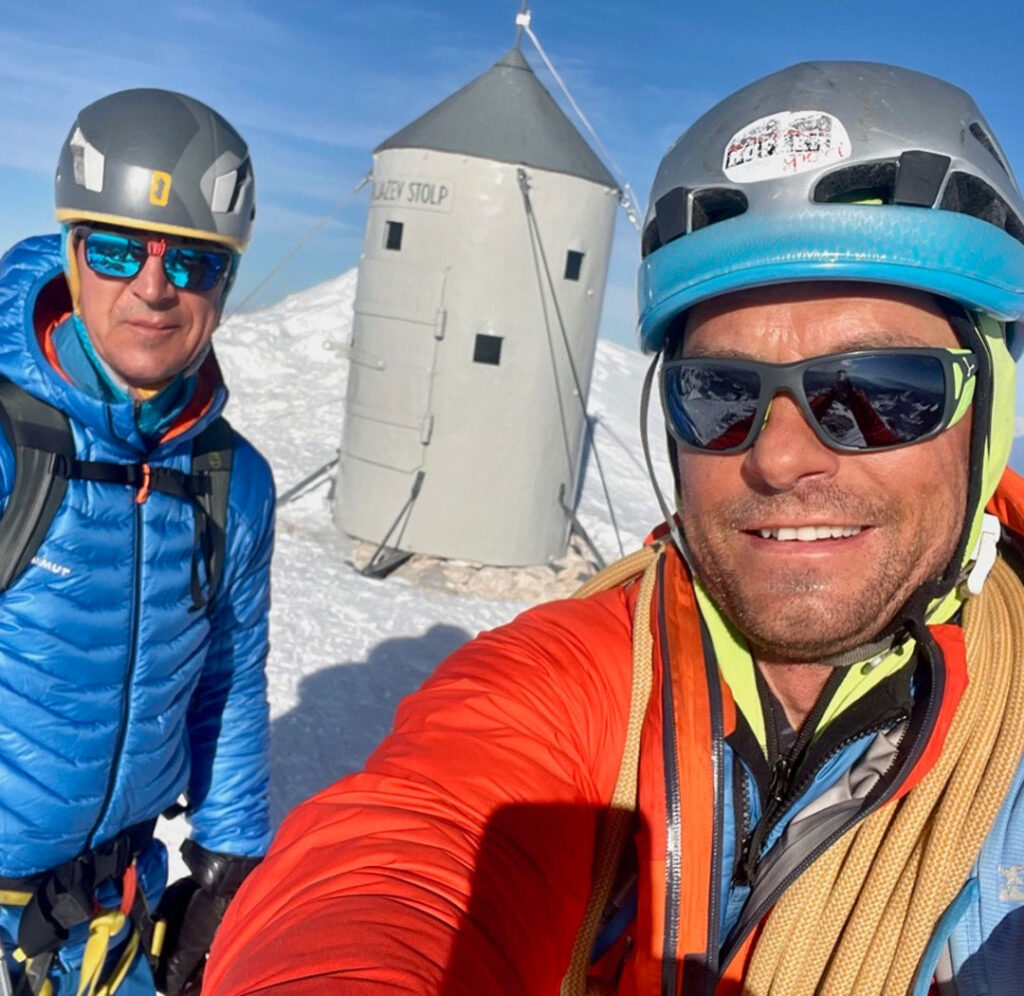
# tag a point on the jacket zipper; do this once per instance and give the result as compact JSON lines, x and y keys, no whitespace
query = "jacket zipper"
{"x":740,"y":773}
{"x":781,"y":795}
{"x":752,"y":920}
{"x":673,"y":829}
{"x":129,"y":673}
{"x":783,"y":766}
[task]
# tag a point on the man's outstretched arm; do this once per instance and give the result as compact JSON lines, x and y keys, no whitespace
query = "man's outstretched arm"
{"x":459,"y":861}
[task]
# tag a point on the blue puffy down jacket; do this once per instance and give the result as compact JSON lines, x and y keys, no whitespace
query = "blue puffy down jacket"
{"x":114,"y":697}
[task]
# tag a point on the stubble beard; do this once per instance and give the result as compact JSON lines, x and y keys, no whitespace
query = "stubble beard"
{"x":798,"y":615}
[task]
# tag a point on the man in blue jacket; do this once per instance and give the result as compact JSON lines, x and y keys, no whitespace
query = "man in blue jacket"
{"x":133,"y":642}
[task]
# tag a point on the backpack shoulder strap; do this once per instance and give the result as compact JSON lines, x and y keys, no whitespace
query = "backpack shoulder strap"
{"x":43,"y":444}
{"x":44,"y":459}
{"x":212,"y":454}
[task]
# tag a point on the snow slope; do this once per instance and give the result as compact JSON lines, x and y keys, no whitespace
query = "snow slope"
{"x":346,"y":649}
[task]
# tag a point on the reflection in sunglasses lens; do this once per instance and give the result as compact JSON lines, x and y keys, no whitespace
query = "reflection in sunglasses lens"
{"x":712,"y":407}
{"x":113,"y":255}
{"x":873,"y":401}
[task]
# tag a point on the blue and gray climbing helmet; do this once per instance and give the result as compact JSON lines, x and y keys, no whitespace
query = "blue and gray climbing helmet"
{"x":849,"y":171}
{"x":835,"y":171}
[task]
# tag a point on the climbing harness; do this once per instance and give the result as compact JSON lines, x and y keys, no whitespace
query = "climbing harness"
{"x":56,"y":901}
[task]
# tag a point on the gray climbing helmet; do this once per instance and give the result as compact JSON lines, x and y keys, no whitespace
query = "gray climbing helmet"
{"x":835,"y":171}
{"x":159,"y":161}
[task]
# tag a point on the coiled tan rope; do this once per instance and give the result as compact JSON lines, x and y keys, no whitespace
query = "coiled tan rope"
{"x":619,"y":818}
{"x":858,"y":920}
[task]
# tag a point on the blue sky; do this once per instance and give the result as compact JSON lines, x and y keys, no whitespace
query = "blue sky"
{"x":315,"y":86}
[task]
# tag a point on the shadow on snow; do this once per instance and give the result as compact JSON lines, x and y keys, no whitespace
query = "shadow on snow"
{"x":344,"y":711}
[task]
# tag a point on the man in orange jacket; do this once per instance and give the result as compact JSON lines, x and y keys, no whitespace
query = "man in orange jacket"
{"x":781,"y":751}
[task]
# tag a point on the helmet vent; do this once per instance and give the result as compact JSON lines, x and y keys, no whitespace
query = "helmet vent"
{"x":707,"y":206}
{"x":670,"y":210}
{"x":87,"y":162}
{"x":916,"y":179}
{"x":715,"y":204}
{"x":864,"y":183}
{"x":650,"y":239}
{"x":983,"y":136}
{"x":919,"y":178}
{"x":241,"y":182}
{"x":967,"y":194}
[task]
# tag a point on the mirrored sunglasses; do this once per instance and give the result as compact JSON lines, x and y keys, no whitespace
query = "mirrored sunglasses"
{"x":870,"y":399}
{"x":113,"y":254}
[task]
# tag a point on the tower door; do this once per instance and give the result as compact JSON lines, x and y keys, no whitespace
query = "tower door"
{"x":398,"y":320}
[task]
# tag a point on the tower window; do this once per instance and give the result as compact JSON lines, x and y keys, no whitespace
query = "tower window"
{"x":573,"y":264}
{"x":487,"y":349}
{"x":393,"y":236}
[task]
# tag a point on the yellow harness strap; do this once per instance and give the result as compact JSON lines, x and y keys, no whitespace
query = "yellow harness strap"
{"x":12,"y":897}
{"x":102,"y":929}
{"x":46,"y":989}
{"x":18,"y":897}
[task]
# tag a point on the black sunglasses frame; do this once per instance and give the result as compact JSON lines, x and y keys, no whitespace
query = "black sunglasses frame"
{"x":787,"y":378}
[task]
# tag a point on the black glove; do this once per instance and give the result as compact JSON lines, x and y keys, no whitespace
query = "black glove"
{"x":192,"y":909}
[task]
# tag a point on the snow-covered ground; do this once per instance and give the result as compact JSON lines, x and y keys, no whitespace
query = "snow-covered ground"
{"x":345,"y":649}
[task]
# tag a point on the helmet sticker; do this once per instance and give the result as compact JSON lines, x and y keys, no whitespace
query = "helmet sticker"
{"x":784,"y":144}
{"x":160,"y":188}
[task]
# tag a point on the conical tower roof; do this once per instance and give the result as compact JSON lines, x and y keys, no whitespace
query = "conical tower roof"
{"x":505,"y":114}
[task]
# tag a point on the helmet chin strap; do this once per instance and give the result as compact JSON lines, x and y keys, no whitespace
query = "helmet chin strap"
{"x":670,"y":519}
{"x":966,"y":569}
